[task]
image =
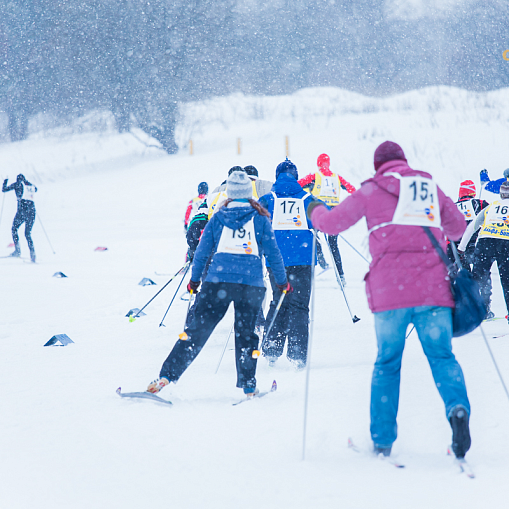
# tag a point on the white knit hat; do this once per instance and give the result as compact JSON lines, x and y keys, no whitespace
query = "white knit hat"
{"x":239,"y":186}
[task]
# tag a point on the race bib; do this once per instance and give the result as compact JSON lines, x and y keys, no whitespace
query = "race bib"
{"x":496,"y":221}
{"x":467,"y":209}
{"x":28,"y":192}
{"x":289,"y":213}
{"x":417,"y":203}
{"x":330,"y":187}
{"x":241,"y":241}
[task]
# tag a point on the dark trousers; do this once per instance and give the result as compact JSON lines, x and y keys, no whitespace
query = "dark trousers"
{"x":25,"y":214}
{"x":487,"y":251}
{"x":213,"y":302}
{"x":333,"y":243}
{"x":292,"y":321}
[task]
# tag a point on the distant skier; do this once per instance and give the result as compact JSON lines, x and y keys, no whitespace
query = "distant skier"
{"x":492,"y":187}
{"x":237,"y":235}
{"x":326,"y":186}
{"x":407,"y":283}
{"x":287,"y":204}
{"x":261,"y":187}
{"x":218,"y":195}
{"x":194,"y":204}
{"x":469,"y":206}
{"x":25,"y":214}
{"x":195,"y":229}
{"x":492,"y":245}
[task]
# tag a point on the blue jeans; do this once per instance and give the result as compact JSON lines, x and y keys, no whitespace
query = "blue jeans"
{"x":434,"y":327}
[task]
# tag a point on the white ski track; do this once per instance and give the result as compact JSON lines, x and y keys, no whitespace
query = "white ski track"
{"x":143,"y":395}
{"x":259,"y":395}
{"x":463,"y":465}
{"x":386,"y":459}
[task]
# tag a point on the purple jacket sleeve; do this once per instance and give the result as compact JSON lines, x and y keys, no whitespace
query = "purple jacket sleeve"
{"x":341,"y":217}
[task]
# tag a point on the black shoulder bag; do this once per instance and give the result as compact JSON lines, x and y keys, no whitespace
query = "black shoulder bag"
{"x":469,"y":309}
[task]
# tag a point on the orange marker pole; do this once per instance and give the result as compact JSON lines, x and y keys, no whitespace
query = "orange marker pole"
{"x":287,"y":146}
{"x":239,"y":146}
{"x":191,"y":147}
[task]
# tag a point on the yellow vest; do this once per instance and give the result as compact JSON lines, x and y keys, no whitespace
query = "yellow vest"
{"x":222,"y":196}
{"x":327,"y":189}
{"x":496,"y":221}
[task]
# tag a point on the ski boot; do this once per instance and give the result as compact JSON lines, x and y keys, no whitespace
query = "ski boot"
{"x":251,"y":392}
{"x":460,"y":432}
{"x":15,"y":254}
{"x":298,"y":364}
{"x":157,"y":385}
{"x":384,"y":451}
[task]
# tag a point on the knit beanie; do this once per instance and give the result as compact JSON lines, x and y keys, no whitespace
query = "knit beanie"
{"x":467,"y":188}
{"x":203,"y":188}
{"x":251,"y":171}
{"x":239,"y":186}
{"x":235,"y":168}
{"x":388,"y":151}
{"x":287,"y":167}
{"x":504,"y":190}
{"x":506,"y":173}
{"x":323,"y":161}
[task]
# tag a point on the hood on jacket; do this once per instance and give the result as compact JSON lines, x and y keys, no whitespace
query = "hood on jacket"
{"x":286,"y":185}
{"x":235,"y":217}
{"x":391,"y":185}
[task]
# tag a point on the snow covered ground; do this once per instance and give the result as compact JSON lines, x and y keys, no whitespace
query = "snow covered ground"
{"x":68,"y":441}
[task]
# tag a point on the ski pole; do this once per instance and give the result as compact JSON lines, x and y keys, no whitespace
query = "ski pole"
{"x":174,"y":295}
{"x":308,"y":358}
{"x":358,"y":252}
{"x":494,"y":362}
{"x":183,"y":335}
{"x":278,"y":307}
{"x":411,"y":330}
{"x":354,"y":318}
{"x":172,"y":278}
{"x":40,"y":221}
{"x":224,"y":349}
{"x":2,"y":210}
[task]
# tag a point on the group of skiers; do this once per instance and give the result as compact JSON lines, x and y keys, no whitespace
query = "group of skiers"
{"x":247,"y":219}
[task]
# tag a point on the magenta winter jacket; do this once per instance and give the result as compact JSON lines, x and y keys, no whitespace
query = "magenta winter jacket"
{"x":406,"y":270}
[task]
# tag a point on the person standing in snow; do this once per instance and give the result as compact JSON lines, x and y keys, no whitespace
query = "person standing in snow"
{"x":469,"y":206}
{"x":407,"y":283}
{"x":326,"y":186}
{"x":195,"y":203}
{"x":236,"y":236}
{"x":492,"y":245}
{"x":287,"y":204}
{"x":25,"y":214}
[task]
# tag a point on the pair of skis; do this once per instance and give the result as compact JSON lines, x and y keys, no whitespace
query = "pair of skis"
{"x":460,"y":462}
{"x":155,"y":397}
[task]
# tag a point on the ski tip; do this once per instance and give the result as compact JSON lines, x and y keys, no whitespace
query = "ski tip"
{"x":119,"y":390}
{"x":274,"y":386}
{"x":183,"y":336}
{"x":355,"y":319}
{"x":256,"y":354}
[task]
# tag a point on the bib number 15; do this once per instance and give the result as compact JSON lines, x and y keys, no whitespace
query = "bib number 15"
{"x":423,"y":193}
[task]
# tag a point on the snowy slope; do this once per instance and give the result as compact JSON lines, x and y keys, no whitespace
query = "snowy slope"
{"x":68,"y":441}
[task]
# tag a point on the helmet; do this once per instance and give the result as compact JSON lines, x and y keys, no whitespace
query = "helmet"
{"x":203,"y":188}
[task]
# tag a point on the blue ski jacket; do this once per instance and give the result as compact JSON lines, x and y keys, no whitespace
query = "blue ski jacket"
{"x":295,"y":246}
{"x":243,"y":269}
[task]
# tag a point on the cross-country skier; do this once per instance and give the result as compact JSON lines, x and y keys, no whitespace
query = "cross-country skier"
{"x":218,"y":195}
{"x":326,"y":186}
{"x":261,"y":187}
{"x":25,"y":214}
{"x":407,"y":283}
{"x":469,"y":206}
{"x":195,"y":229}
{"x":287,"y":204}
{"x":195,"y":203}
{"x":492,"y":187}
{"x":237,"y":235}
{"x":492,"y":245}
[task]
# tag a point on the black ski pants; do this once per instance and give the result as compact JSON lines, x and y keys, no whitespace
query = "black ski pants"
{"x":487,"y":251}
{"x":333,"y":243}
{"x":292,"y":321}
{"x":214,"y":300}
{"x":25,"y":214}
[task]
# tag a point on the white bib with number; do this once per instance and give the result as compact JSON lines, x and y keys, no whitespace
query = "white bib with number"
{"x":496,"y":221}
{"x":289,"y":213}
{"x":28,"y":192}
{"x":417,"y":203}
{"x":467,"y":209}
{"x":241,"y":241}
{"x":330,"y":186}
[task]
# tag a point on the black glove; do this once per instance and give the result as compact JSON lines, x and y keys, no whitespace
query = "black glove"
{"x":193,"y":285}
{"x":286,"y":287}
{"x":312,"y":206}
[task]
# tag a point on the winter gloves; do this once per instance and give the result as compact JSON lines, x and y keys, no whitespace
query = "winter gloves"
{"x":288,"y":288}
{"x":312,"y":206}
{"x":193,"y":285}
